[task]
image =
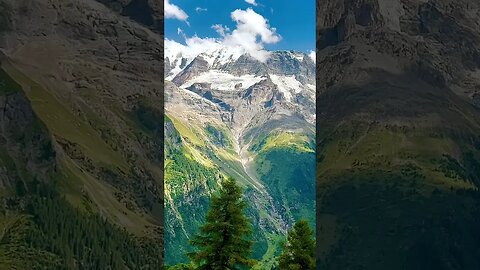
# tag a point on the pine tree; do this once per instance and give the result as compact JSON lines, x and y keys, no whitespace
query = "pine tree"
{"x":299,"y":251}
{"x":223,"y":240}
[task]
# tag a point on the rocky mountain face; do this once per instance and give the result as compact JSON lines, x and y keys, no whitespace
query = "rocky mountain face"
{"x":146,"y":12}
{"x":82,"y":113}
{"x":230,"y":114}
{"x":398,"y":134}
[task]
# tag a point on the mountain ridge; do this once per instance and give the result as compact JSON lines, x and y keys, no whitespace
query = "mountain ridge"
{"x":243,"y":118}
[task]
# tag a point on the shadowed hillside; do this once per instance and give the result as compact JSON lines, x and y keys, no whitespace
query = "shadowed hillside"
{"x":81,"y":127}
{"x":398,"y":134}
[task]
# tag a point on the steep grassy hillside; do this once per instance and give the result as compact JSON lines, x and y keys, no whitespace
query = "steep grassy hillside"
{"x":54,"y":214}
{"x":87,"y":156}
{"x":188,"y":185}
{"x":285,"y":163}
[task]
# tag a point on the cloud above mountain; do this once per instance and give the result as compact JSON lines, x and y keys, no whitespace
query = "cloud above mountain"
{"x":174,"y":12}
{"x":313,"y":56}
{"x":252,"y":31}
{"x":220,"y":29}
{"x":252,"y":24}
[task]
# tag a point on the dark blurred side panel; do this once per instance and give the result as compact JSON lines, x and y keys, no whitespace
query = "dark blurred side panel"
{"x":81,"y":134}
{"x":398,"y":134}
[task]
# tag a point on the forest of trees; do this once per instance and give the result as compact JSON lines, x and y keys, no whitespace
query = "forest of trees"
{"x":223,"y":241}
{"x":56,"y":235}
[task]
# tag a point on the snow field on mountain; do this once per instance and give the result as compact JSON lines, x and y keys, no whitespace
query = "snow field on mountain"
{"x":223,"y":81}
{"x":287,"y":85}
{"x":217,"y":57}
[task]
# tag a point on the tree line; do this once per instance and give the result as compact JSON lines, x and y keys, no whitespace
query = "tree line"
{"x":223,"y":241}
{"x":56,"y":235}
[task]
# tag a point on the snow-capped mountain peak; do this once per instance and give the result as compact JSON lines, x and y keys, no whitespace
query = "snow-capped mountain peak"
{"x":220,"y":56}
{"x":235,"y":60}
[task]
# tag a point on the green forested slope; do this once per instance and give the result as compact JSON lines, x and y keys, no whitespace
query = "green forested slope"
{"x":285,"y":162}
{"x":188,"y":185}
{"x":42,"y":230}
{"x":197,"y":157}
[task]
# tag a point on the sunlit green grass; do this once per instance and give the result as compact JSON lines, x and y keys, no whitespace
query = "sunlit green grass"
{"x":61,"y":122}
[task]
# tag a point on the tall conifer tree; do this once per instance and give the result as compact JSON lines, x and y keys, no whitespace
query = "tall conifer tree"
{"x":223,"y":240}
{"x":299,"y":251}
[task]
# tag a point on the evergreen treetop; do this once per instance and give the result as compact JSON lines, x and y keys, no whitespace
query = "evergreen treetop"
{"x":223,"y":240}
{"x":299,"y":251}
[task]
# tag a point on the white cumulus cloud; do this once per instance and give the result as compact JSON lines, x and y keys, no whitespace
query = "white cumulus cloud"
{"x":220,"y":29}
{"x":251,"y":33}
{"x":251,"y":2}
{"x":252,"y":23}
{"x":174,"y":12}
{"x":193,"y":46}
{"x":313,"y":56}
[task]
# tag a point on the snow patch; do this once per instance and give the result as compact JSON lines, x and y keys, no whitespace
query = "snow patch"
{"x":177,"y":69}
{"x":209,"y":58}
{"x":287,"y":85}
{"x":200,"y":98}
{"x":221,"y":80}
{"x":298,"y":56}
{"x":220,"y":56}
{"x":175,"y":53}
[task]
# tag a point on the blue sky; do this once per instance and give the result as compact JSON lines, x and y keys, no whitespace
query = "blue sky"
{"x":290,"y":24}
